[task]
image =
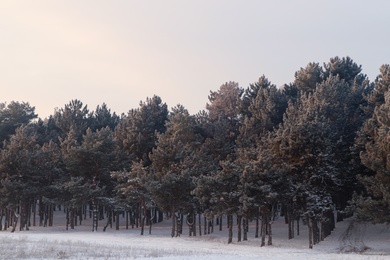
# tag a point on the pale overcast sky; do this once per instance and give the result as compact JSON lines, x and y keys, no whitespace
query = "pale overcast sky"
{"x":120,"y":52}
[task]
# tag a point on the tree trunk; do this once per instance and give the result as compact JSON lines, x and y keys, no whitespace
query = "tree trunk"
{"x":71,"y":217}
{"x":257,"y":228}
{"x":220,"y":223}
{"x":34,"y":209}
{"x":94,"y":216}
{"x":310,"y":226}
{"x":290,"y":220}
{"x":230,"y":226}
{"x":245,"y":224}
{"x":15,"y":222}
{"x":67,"y":218}
{"x":194,"y":225}
{"x":205,"y":225}
{"x":239,"y":220}
{"x":269,"y":222}
{"x":173,"y":216}
{"x":1,"y":218}
{"x":109,"y":220}
{"x":116,"y":220}
{"x":200,"y":224}
{"x":263,"y":231}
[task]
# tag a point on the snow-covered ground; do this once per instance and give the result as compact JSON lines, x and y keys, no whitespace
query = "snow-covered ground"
{"x":81,"y":243}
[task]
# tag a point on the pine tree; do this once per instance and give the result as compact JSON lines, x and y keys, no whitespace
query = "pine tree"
{"x":375,"y":206}
{"x":12,"y":116}
{"x":19,"y":172}
{"x":172,"y":164}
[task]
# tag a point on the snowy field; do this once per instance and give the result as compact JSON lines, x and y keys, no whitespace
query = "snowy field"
{"x":81,"y":243}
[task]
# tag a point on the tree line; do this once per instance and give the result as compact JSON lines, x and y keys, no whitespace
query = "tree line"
{"x":306,"y":150}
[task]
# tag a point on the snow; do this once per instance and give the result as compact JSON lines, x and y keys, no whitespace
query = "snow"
{"x":81,"y":243}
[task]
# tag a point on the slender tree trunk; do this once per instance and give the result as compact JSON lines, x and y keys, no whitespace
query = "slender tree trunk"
{"x":194,"y":225}
{"x":245,"y":224}
{"x":239,"y":220}
{"x":179,"y":224}
{"x":257,"y":228}
{"x":316,"y":232}
{"x":263,"y":231}
{"x":151,"y":219}
{"x":220,"y":223}
{"x":290,"y":219}
{"x":298,"y":219}
{"x":205,"y":225}
{"x":200,"y":224}
{"x":109,"y":220}
{"x":34,"y":209}
{"x":269,"y":222}
{"x":15,"y":222}
{"x":51,"y":215}
{"x":1,"y":218}
{"x":40,"y":211}
{"x":230,"y":226}
{"x":94,"y":215}
{"x":310,"y":226}
{"x":116,"y":220}
{"x":67,"y":218}
{"x":71,"y":217}
{"x":173,"y":216}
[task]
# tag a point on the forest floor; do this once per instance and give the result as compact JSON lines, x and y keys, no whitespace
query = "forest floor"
{"x":350,"y":240}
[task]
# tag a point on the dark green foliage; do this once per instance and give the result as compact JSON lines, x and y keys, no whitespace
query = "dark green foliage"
{"x":12,"y":116}
{"x":137,"y":132}
{"x":72,"y":117}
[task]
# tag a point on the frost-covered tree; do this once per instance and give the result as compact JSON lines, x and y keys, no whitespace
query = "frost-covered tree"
{"x":12,"y":116}
{"x":19,"y":172}
{"x":306,"y":79}
{"x":73,"y":116}
{"x":173,"y":166}
{"x":137,"y":132}
{"x":102,"y":117}
{"x":375,"y":136}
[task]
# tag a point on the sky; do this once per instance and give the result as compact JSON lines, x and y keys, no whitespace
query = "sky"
{"x":120,"y":52}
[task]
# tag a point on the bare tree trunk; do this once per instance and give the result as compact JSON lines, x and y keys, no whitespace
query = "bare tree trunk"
{"x":220,"y":223}
{"x":34,"y":209}
{"x":230,"y":226}
{"x":263,"y":226}
{"x":116,"y":220}
{"x":109,"y":220}
{"x":257,"y":228}
{"x":200,"y":224}
{"x":71,"y":217}
{"x":67,"y":218}
{"x":310,"y":225}
{"x":290,"y":219}
{"x":94,"y":216}
{"x":15,"y":222}
{"x":269,"y":222}
{"x":239,"y":220}
{"x":194,"y":225}
{"x":173,"y":216}
{"x":245,"y":224}
{"x":1,"y":218}
{"x":205,"y":225}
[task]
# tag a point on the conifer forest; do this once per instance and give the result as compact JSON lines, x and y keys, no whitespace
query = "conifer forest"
{"x":314,"y":151}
